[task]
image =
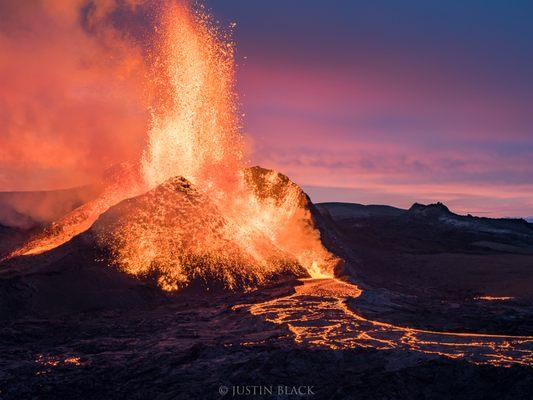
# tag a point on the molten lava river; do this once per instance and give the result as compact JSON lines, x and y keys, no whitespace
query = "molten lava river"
{"x":317,"y":316}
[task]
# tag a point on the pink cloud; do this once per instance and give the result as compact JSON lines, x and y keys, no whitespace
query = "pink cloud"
{"x":71,"y":101}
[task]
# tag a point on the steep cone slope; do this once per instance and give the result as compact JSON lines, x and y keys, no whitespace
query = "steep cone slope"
{"x":299,"y":223}
{"x":177,"y":234}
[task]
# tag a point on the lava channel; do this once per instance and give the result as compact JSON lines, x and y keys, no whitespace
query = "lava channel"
{"x":317,"y":316}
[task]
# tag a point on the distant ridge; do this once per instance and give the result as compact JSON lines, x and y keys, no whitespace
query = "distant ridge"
{"x":356,"y":210}
{"x":350,"y":210}
{"x":435,"y":209}
{"x":428,"y":229}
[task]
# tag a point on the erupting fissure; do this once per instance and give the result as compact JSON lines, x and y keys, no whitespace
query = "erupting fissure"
{"x":223,"y":219}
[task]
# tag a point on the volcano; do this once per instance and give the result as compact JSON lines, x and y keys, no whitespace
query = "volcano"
{"x":157,"y":238}
{"x":184,"y":273}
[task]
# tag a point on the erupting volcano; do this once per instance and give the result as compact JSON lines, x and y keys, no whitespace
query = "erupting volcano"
{"x":237,"y":224}
{"x":187,"y":272}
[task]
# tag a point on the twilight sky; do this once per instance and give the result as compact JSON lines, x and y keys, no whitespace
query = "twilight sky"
{"x":382,"y":102}
{"x":391,"y":102}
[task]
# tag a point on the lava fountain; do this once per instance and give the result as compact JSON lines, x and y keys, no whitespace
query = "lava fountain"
{"x":242,"y":225}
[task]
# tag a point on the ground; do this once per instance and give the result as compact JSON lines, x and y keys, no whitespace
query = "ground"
{"x":418,"y":310}
{"x":190,"y":347}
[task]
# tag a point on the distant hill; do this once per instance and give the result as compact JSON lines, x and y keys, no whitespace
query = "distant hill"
{"x":439,"y":211}
{"x":354,"y":210}
{"x":389,"y":237}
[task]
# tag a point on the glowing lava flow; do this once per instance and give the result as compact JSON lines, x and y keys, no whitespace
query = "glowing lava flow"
{"x":317,"y":315}
{"x":493,"y":298}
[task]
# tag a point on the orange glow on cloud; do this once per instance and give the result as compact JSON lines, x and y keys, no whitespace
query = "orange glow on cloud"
{"x":347,"y":135}
{"x":69,"y":93}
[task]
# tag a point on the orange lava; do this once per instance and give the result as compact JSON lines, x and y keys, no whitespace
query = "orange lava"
{"x":493,"y":298}
{"x":49,"y":362}
{"x":317,"y":316}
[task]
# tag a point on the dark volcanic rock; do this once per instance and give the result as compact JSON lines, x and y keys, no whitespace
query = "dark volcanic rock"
{"x":11,"y":238}
{"x":72,"y":278}
{"x":434,"y":264}
{"x":75,"y":327}
{"x":189,"y":350}
{"x":431,"y":210}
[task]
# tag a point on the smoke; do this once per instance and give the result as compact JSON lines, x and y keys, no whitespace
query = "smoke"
{"x":73,"y":99}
